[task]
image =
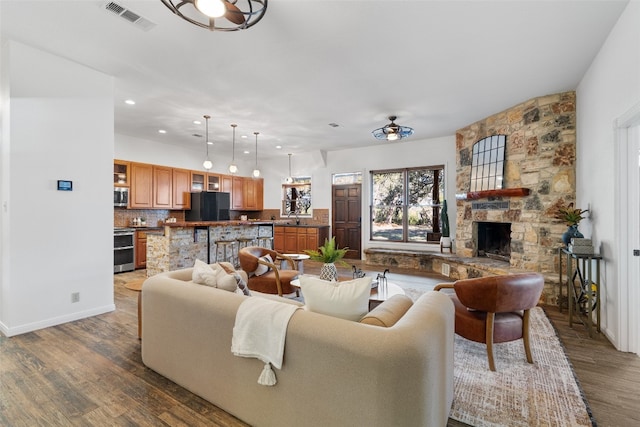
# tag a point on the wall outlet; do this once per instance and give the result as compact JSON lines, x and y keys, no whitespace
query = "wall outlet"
{"x":445,"y":269}
{"x":75,"y":297}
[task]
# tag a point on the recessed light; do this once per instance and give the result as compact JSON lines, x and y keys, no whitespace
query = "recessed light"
{"x":210,"y":142}
{"x":162,"y":131}
{"x":197,"y":122}
{"x":279,"y":147}
{"x":244,"y":136}
{"x":130,"y":102}
{"x":246,"y":152}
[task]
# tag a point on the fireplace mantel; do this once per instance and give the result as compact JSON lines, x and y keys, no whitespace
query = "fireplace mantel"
{"x":504,"y":192}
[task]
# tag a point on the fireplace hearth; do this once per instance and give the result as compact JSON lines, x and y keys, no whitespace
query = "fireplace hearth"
{"x":493,"y":240}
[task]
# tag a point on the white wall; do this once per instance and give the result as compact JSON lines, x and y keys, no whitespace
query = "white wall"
{"x":57,"y":124}
{"x":407,"y":153}
{"x":610,"y":88}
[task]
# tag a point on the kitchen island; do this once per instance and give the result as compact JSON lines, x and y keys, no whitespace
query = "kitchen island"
{"x":184,"y":242}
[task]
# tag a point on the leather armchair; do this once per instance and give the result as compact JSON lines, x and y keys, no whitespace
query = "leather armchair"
{"x":275,"y":281}
{"x":496,"y":309}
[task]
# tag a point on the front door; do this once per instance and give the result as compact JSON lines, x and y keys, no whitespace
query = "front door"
{"x":346,"y":223}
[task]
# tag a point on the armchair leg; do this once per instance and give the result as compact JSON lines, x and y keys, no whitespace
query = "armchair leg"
{"x":525,"y":335}
{"x":489,"y":339}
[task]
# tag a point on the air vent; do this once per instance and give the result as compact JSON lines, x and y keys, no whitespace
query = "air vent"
{"x":128,"y":15}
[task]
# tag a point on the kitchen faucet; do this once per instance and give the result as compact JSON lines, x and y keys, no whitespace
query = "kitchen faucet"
{"x":296,"y":216}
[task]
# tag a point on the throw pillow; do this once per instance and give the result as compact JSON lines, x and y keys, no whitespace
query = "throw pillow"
{"x":225,"y":281}
{"x":204,"y":274}
{"x":262,"y":269}
{"x":213,"y":275}
{"x":241,"y":284}
{"x":347,"y":300}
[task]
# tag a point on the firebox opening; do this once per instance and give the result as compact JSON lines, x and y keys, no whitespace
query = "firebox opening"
{"x":494,"y":240}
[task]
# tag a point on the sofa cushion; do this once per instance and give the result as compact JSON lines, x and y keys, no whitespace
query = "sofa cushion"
{"x":213,"y":275}
{"x":389,"y":312}
{"x":347,"y":300}
{"x":262,"y":269}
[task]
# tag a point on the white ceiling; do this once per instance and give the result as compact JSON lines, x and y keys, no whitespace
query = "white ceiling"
{"x":437,"y":65}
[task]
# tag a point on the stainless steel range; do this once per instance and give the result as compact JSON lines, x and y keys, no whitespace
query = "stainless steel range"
{"x":123,"y":249}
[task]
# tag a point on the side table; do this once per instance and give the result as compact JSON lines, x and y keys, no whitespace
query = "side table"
{"x":298,"y":259}
{"x":137,"y":287}
{"x":583,"y":297}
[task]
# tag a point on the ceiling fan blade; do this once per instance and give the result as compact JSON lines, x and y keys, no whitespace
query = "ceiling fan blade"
{"x":233,"y":14}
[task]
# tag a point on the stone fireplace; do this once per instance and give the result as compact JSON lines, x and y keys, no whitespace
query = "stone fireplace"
{"x":540,"y":157}
{"x":493,"y":240}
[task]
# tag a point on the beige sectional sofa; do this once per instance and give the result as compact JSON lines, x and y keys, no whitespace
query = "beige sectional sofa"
{"x":335,"y":372}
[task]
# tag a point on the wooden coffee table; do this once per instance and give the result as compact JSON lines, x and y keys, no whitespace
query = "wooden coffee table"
{"x":378,"y":294}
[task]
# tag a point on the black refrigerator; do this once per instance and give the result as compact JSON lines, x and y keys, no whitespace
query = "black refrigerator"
{"x":209,"y":206}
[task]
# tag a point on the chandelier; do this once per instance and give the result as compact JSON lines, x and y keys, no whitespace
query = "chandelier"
{"x":392,"y":131}
{"x":219,"y":15}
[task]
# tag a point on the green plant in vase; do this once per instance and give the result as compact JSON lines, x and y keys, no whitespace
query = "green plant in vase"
{"x":330,"y":255}
{"x":445,"y":240}
{"x":570,"y":216}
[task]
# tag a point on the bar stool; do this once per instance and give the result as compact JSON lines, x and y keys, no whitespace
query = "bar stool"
{"x":265,"y":242}
{"x":226,"y":244}
{"x":245,"y":242}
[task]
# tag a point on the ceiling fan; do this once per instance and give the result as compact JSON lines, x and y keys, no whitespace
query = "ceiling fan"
{"x":217,"y":15}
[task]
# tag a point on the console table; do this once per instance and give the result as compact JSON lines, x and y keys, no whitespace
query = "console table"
{"x":584,"y":297}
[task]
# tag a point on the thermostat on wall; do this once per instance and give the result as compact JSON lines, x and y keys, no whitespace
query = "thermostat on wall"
{"x":65,"y":185}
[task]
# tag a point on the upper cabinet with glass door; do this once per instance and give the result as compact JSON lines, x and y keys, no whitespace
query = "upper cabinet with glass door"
{"x":120,"y":173}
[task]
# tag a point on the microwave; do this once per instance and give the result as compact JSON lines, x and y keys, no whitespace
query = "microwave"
{"x":121,"y":196}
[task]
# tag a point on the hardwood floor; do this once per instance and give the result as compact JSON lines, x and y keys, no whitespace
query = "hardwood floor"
{"x":89,"y":372}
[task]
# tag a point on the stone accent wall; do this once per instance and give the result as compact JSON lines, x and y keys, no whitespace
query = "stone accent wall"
{"x":179,"y":247}
{"x":540,"y":155}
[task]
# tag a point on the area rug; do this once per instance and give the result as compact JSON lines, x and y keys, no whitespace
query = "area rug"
{"x":545,"y":393}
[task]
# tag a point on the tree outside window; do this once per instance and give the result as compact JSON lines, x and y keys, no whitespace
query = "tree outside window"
{"x":406,"y":204}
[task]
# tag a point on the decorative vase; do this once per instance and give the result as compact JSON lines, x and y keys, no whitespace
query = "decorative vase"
{"x":571,"y":232}
{"x":329,"y":272}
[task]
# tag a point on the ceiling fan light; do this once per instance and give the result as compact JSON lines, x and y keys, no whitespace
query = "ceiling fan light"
{"x":211,"y":8}
{"x":392,"y":131}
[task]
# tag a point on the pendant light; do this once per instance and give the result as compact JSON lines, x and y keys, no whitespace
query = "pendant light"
{"x":289,"y":179}
{"x":207,"y":164}
{"x":256,"y":171}
{"x":233,"y":168}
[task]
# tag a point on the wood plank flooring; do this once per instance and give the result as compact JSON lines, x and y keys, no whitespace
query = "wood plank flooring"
{"x":90,"y":373}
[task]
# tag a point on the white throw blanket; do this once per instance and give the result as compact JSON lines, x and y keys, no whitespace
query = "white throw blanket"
{"x":260,"y":331}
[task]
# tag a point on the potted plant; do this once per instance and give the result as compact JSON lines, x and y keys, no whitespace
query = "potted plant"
{"x":570,"y":216}
{"x":445,"y":240}
{"x":329,"y":254}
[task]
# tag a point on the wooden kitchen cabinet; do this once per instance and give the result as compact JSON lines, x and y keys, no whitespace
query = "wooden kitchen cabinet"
{"x":162,"y":187}
{"x":141,"y":190}
{"x":252,"y":193}
{"x":121,"y":173}
{"x":295,"y":240}
{"x":181,"y":189}
{"x":226,"y":183}
{"x":237,"y":198}
{"x":197,"y":181}
{"x":247,"y":193}
{"x":278,"y":239}
{"x":141,"y":249}
{"x":213,"y":182}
